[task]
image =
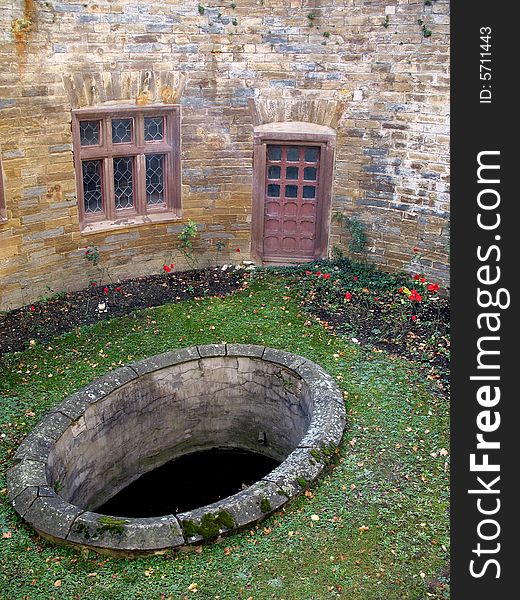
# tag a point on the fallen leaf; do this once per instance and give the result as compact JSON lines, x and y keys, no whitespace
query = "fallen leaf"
{"x":193,"y":587}
{"x":363,"y":528}
{"x":7,"y":535}
{"x":57,"y":583}
{"x":315,"y":518}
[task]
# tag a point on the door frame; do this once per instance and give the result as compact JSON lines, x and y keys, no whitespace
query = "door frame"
{"x":286,"y":134}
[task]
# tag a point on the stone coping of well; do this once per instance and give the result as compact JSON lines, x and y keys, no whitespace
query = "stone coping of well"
{"x":56,"y":519}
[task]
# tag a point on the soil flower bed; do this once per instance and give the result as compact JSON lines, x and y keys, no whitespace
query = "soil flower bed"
{"x":58,"y":313}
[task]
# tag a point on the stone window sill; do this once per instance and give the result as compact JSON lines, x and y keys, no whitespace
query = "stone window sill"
{"x":135,"y":221}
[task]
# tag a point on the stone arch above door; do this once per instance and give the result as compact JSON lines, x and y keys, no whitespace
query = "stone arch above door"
{"x":292,"y":189}
{"x":316,"y":111}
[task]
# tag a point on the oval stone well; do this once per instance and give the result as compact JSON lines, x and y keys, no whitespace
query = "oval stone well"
{"x":137,"y":418}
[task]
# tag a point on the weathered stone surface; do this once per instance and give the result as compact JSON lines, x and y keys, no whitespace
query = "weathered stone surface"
{"x":35,"y":446}
{"x":245,"y":508}
{"x":212,"y":350}
{"x":297,"y":471}
{"x":244,"y":350}
{"x":161,"y":361}
{"x":280,"y":357}
{"x":384,"y":90}
{"x":181,"y":402}
{"x":93,"y":529}
{"x":23,"y":501}
{"x":52,"y":515}
{"x":27,"y":473}
{"x":52,"y":425}
{"x":76,"y":404}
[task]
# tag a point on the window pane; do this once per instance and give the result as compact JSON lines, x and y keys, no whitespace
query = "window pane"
{"x":154,"y":179}
{"x":309,"y":173}
{"x":291,"y":172}
{"x":274,"y":153}
{"x":309,"y":191}
{"x":121,"y":131}
{"x":153,"y":129}
{"x":293,"y":154}
{"x":291,"y":191}
{"x":311,"y":154}
{"x":274,"y":172}
{"x":273,"y":190}
{"x":89,"y":133}
{"x":92,"y":187}
{"x":123,"y":182}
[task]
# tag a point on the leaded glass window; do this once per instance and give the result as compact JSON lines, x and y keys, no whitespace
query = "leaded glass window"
{"x":92,"y":186}
{"x":154,"y":179}
{"x":89,"y":133}
{"x":121,"y":131}
{"x":124,"y":182}
{"x":127,"y":164}
{"x":153,"y":129}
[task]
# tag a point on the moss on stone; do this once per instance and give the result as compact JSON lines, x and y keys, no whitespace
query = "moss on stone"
{"x":111,"y":524}
{"x":302,"y":482}
{"x":210,"y":525}
{"x":265,"y":505}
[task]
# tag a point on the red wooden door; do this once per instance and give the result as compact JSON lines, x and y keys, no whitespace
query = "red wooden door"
{"x":290,"y":206}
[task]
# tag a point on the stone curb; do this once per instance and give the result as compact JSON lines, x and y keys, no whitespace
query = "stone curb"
{"x":57,"y":519}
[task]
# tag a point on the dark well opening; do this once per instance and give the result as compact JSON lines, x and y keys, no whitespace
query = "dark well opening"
{"x":188,"y":482}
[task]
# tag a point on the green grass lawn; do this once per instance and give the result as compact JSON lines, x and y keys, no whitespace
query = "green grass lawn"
{"x":375,"y":526}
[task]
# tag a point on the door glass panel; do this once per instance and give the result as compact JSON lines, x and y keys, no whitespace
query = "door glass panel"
{"x":291,"y":191}
{"x":309,"y":191}
{"x":273,"y":190}
{"x":311,"y":154}
{"x":293,"y":153}
{"x":309,"y":173}
{"x":274,"y":172}
{"x":274,"y":153}
{"x":291,"y":172}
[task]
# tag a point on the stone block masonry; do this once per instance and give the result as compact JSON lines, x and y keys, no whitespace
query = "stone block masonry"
{"x":363,"y":68}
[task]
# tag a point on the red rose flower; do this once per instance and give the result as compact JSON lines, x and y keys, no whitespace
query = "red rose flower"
{"x":433,"y":287}
{"x":307,"y":272}
{"x":326,"y":275}
{"x":400,"y":290}
{"x":348,"y":296}
{"x":166,"y":268}
{"x":415,"y":296}
{"x":422,"y":279}
{"x":106,"y":290}
{"x":94,"y":284}
{"x":355,"y":278}
{"x":172,"y":266}
{"x":118,"y":288}
{"x":318,"y":274}
{"x":32,"y":309}
{"x":414,"y":317}
{"x":237,"y":250}
{"x":416,"y":277}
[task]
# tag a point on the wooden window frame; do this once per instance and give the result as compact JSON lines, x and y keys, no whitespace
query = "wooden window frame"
{"x":297,"y":134}
{"x":138,"y":149}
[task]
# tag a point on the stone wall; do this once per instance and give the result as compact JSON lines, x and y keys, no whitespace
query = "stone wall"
{"x":366,"y":67}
